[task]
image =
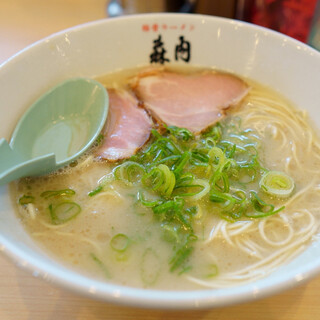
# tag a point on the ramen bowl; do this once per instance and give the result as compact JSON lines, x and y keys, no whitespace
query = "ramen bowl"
{"x":94,"y":49}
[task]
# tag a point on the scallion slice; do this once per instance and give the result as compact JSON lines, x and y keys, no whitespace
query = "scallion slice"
{"x":150,"y":266}
{"x":160,"y":179}
{"x":25,"y":199}
{"x":97,"y":190}
{"x":57,"y":193}
{"x":64,"y":211}
{"x":130,"y":172}
{"x":277,"y":184}
{"x":213,"y":271}
{"x":101,"y":265}
{"x":262,"y":209}
{"x":120,"y":242}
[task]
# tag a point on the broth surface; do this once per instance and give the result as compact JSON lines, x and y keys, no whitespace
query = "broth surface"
{"x":226,"y":253}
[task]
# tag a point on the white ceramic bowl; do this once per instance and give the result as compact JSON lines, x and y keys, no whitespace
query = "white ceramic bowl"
{"x":96,"y":48}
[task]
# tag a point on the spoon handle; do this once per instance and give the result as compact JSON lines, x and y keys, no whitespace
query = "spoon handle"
{"x":13,"y":166}
{"x":8,"y":157}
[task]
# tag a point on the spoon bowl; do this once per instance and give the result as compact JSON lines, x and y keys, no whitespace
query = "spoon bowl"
{"x":60,"y":126}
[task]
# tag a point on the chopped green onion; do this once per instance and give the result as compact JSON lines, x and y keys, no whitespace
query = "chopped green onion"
{"x":181,"y":163}
{"x":180,"y":133}
{"x":180,"y":258}
{"x":58,"y":193}
{"x":171,"y":233}
{"x":220,"y":181}
{"x":200,"y":157}
{"x":120,"y":242}
{"x":215,"y":132}
{"x":103,"y":182}
{"x":184,"y":179}
{"x":177,"y":168}
{"x":150,"y":266}
{"x":168,"y":159}
{"x":130,"y":172}
{"x":213,"y":271}
{"x":169,"y":206}
{"x":95,"y":191}
{"x":101,"y":265}
{"x":277,"y":184}
{"x":182,"y":255}
{"x":160,"y":179}
{"x":25,"y":199}
{"x":196,"y":195}
{"x":64,"y":211}
{"x":262,"y":208}
{"x":217,"y":157}
{"x":147,"y":203}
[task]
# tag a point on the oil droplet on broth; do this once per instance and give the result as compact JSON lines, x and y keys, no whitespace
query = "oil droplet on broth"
{"x":63,"y":138}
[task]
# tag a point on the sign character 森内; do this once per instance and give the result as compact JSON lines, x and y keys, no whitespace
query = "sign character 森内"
{"x":183,"y":50}
{"x":158,"y":54}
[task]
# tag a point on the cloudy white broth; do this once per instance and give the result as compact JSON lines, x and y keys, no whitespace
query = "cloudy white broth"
{"x":189,"y":210}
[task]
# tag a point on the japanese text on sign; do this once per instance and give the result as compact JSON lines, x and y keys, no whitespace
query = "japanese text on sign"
{"x":155,"y":27}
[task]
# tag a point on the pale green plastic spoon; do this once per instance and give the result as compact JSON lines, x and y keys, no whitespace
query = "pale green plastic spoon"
{"x":59,"y":127}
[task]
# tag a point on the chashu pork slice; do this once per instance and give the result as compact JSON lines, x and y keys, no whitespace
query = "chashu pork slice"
{"x":193,"y":101}
{"x":127,"y":127}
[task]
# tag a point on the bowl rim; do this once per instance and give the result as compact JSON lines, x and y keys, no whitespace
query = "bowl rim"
{"x":148,"y":298}
{"x":94,"y":23}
